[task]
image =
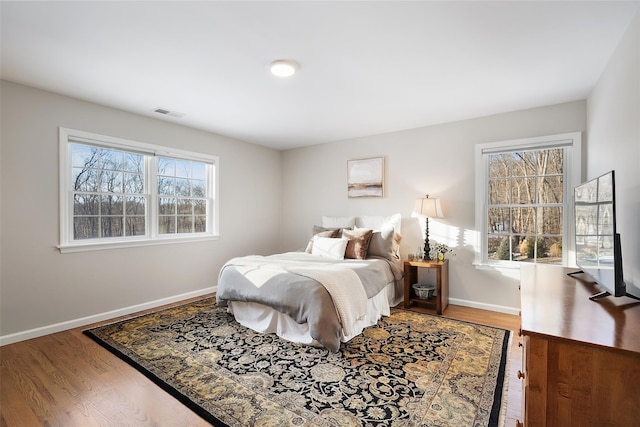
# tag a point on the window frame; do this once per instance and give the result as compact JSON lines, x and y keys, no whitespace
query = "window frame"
{"x":150,"y":152}
{"x":572,"y":168}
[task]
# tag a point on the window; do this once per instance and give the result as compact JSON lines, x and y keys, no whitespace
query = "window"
{"x":108,"y":192}
{"x":524,"y":191}
{"x":182,"y":201}
{"x":118,"y":193}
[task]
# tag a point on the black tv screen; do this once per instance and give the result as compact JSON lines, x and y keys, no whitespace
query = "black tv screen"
{"x":598,"y":250}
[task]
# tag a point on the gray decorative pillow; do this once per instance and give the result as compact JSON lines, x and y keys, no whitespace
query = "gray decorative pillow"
{"x":322,"y":232}
{"x":385,"y":243}
{"x":358,"y":244}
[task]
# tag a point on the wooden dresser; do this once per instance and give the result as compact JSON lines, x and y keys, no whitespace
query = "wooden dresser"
{"x":581,"y":358}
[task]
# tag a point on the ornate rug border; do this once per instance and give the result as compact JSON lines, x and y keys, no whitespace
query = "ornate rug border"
{"x":499,"y":407}
{"x":206,"y":415}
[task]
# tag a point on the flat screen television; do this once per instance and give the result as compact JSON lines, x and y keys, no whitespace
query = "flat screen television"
{"x":598,"y":250}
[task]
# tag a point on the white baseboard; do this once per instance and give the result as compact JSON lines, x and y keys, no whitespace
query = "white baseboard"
{"x":76,"y":323}
{"x":491,"y":307}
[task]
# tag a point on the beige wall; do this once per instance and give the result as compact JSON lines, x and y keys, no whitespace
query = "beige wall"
{"x":438,"y":160}
{"x":41,"y":287}
{"x":614,"y":143}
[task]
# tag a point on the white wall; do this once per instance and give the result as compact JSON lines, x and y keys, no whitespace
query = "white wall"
{"x":438,"y":160}
{"x":41,"y":287}
{"x":613,"y":111}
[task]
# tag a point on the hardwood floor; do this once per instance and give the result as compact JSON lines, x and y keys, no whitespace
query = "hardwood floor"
{"x":65,"y":379}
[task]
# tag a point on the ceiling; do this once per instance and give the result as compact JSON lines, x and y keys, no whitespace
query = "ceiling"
{"x":365,"y":67}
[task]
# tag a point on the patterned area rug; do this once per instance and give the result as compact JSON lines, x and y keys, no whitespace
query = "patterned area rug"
{"x":409,"y":370}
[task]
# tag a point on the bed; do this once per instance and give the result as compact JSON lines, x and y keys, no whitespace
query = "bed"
{"x":345,"y":280}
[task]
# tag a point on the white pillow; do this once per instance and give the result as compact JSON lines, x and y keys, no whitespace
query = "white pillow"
{"x":338,"y":221}
{"x":377,"y":222}
{"x":329,"y":247}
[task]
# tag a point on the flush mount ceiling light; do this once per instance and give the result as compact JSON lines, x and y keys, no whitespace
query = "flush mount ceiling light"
{"x":283,"y":68}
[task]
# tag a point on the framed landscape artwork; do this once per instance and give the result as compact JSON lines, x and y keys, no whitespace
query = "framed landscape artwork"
{"x":365,"y":177}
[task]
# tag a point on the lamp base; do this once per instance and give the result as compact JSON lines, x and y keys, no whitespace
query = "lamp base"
{"x":427,"y":248}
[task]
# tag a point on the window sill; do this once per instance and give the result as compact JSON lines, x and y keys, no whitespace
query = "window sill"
{"x":496,"y":266}
{"x":98,"y":246}
{"x":509,"y":269}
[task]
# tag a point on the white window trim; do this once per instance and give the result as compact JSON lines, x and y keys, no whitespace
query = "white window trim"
{"x":67,"y":245}
{"x":573,"y":167}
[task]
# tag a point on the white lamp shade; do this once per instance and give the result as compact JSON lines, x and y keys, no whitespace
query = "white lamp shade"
{"x":429,"y":207}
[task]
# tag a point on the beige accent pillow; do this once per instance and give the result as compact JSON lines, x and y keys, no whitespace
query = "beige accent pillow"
{"x":321,"y":232}
{"x":358,"y":244}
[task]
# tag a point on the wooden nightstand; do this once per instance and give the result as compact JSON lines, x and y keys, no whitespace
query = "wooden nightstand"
{"x":441,"y":300}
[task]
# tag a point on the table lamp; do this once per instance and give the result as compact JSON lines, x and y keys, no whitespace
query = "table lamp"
{"x":430,"y":208}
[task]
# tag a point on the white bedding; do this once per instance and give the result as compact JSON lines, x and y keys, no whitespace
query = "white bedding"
{"x":309,"y":299}
{"x":262,"y":318}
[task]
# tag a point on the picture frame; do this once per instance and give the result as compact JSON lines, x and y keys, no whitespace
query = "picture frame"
{"x":365,"y":177}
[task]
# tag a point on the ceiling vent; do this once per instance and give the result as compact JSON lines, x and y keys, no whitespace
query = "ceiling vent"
{"x":169,"y":113}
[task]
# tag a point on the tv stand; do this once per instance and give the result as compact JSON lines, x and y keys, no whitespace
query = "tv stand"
{"x":606,"y":294}
{"x":631,"y":296}
{"x":573,"y":273}
{"x":599,"y":294}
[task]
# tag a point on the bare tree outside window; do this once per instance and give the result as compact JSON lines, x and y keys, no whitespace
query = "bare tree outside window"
{"x":182,"y":187}
{"x":108,"y":193}
{"x":525,"y":206}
